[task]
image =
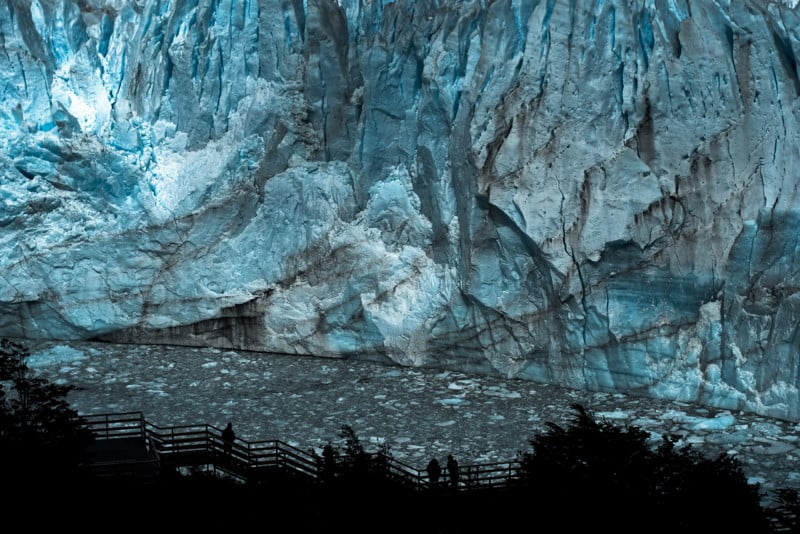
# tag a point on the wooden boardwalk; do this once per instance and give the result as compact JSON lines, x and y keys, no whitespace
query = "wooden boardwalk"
{"x":127,"y":444}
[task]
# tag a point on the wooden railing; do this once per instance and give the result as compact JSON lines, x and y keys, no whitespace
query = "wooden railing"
{"x":404,"y":472}
{"x":120,"y":447}
{"x":116,"y":425}
{"x":202,"y":445}
{"x":489,"y":475}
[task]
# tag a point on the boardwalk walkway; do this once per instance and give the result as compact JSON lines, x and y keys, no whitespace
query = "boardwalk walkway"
{"x":126,"y":444}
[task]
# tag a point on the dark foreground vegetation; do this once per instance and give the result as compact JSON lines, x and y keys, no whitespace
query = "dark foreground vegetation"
{"x":587,"y":475}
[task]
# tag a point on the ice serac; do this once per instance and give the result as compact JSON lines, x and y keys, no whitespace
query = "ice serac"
{"x":601,"y":195}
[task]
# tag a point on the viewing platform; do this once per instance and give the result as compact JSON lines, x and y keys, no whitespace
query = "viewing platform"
{"x":127,"y":445}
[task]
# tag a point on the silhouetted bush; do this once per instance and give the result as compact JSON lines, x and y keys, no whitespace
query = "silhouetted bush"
{"x":594,"y":473}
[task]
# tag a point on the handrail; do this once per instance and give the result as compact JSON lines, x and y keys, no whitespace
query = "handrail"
{"x":203,"y":444}
{"x":119,"y":425}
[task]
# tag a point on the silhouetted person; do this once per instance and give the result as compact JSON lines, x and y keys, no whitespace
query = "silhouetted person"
{"x":228,"y":436}
{"x":452,"y":471}
{"x":434,"y":471}
{"x":328,"y":461}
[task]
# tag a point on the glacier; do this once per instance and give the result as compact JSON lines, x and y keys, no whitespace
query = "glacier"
{"x":600,"y":195}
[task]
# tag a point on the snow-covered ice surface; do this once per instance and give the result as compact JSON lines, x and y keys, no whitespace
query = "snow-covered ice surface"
{"x":418,"y":413}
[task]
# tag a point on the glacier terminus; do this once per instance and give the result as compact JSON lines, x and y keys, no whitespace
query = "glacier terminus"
{"x":601,"y":195}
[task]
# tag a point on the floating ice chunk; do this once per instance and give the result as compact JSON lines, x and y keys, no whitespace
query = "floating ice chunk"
{"x":453,"y":401}
{"x":720,"y":422}
{"x":766,"y":428}
{"x":773,"y":447}
{"x":59,"y":354}
{"x":645,"y":422}
{"x":616,"y":414}
{"x":209,"y":365}
{"x":694,"y":440}
{"x":729,"y":438}
{"x":459,"y":385}
{"x":502,"y":393}
{"x":674,"y":415}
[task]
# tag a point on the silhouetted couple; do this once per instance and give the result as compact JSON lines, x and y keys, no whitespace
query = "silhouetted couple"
{"x":435,"y":471}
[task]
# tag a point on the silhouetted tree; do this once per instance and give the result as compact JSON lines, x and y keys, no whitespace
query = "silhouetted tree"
{"x":41,"y":436}
{"x":351,"y":465}
{"x":594,"y":473}
{"x":356,"y":461}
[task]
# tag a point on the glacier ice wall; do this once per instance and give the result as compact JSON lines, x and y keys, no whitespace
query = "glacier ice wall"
{"x":600,"y":195}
